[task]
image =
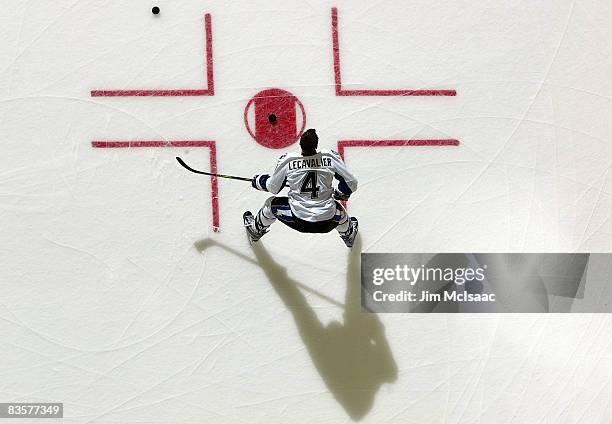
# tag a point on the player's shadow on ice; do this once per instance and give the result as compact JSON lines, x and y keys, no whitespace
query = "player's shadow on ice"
{"x":353,"y":357}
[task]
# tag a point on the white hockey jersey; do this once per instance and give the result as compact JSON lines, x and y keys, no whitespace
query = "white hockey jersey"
{"x":311,"y":183}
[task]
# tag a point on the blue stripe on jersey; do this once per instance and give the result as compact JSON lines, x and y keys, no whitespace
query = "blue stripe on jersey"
{"x":342,"y":185}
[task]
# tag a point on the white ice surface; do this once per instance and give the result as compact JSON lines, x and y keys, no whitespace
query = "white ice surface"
{"x":109,"y":306}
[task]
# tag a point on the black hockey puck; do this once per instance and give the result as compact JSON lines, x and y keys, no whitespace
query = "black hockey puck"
{"x":155,"y":10}
{"x":272,"y":119}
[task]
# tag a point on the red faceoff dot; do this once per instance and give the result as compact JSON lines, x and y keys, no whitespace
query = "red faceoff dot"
{"x":275,"y":116}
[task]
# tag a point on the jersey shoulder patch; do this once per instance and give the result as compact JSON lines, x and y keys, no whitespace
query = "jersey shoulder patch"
{"x":289,"y":155}
{"x":285,"y":158}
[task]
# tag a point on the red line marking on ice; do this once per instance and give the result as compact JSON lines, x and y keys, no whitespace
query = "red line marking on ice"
{"x":338,"y":79}
{"x":209,"y":91}
{"x":343,"y":144}
{"x":214,"y":185}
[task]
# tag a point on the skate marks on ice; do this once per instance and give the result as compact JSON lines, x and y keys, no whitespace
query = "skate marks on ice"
{"x":352,"y":357}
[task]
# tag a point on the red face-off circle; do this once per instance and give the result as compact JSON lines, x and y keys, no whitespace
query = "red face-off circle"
{"x":276,"y":118}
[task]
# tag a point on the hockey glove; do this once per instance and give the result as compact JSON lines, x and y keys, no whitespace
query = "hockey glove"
{"x":259,"y":182}
{"x":338,"y":195}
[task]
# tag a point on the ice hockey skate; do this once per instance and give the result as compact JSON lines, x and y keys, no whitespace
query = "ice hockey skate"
{"x":253,"y":233}
{"x":349,"y":236}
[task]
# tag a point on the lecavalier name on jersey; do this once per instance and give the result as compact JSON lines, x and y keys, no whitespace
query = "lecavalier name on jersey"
{"x":317,"y":162}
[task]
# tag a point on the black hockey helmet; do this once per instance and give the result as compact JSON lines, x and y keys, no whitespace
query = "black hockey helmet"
{"x":309,"y":141}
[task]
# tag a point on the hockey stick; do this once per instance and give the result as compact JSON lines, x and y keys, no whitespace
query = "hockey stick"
{"x":231,"y":177}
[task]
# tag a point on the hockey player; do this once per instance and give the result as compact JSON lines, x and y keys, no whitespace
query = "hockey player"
{"x":312,"y":204}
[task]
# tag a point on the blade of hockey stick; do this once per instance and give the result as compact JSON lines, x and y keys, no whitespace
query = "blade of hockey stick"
{"x":195,"y":171}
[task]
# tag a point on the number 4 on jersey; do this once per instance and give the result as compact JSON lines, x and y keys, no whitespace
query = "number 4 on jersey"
{"x":310,"y":185}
